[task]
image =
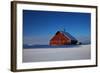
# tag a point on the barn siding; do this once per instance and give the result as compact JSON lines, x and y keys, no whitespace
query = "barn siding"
{"x":60,"y":39}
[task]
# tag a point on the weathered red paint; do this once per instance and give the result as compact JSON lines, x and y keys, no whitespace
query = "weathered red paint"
{"x":60,"y":39}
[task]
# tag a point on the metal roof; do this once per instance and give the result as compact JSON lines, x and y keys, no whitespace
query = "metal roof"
{"x":68,"y":35}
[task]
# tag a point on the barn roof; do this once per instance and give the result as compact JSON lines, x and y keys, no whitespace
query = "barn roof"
{"x":68,"y":35}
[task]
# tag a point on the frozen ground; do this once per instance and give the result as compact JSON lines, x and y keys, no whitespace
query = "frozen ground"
{"x":57,"y":54}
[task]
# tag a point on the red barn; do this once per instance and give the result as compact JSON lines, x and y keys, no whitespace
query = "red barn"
{"x":62,"y":38}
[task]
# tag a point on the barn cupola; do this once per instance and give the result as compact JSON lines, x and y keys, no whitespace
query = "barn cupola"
{"x":62,"y":30}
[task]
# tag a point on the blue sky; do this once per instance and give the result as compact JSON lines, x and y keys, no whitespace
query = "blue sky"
{"x":40,"y":26}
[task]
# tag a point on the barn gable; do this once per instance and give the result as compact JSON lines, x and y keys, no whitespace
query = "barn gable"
{"x":61,"y":36}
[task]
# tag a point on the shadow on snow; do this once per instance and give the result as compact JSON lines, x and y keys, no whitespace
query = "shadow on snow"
{"x":48,"y":46}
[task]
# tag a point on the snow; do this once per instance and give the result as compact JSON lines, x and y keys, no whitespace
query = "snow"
{"x":57,"y":54}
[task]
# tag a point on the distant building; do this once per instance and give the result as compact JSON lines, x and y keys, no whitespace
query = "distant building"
{"x":62,"y":38}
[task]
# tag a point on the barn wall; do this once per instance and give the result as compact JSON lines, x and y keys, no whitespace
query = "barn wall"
{"x":60,"y":39}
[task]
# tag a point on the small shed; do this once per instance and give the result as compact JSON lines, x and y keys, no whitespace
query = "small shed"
{"x":62,"y":38}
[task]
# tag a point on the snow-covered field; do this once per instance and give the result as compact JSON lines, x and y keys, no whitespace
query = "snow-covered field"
{"x":57,"y":54}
